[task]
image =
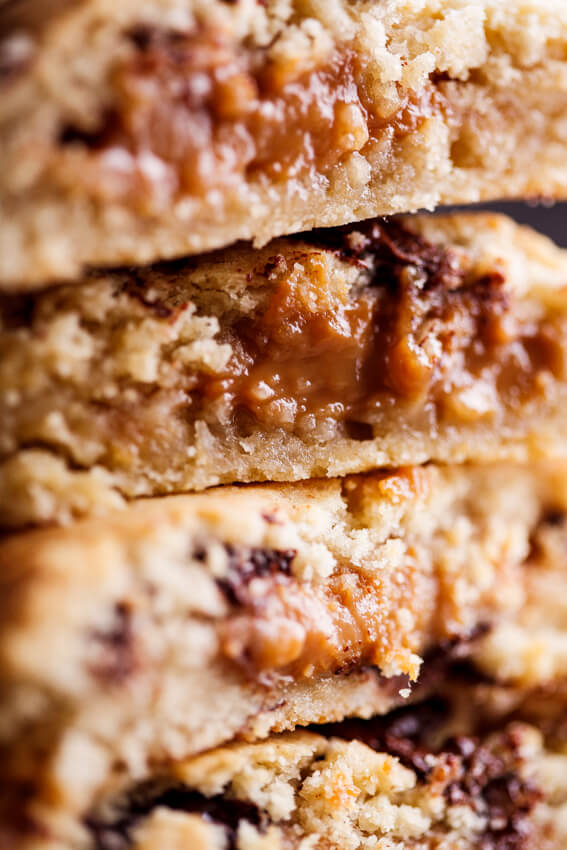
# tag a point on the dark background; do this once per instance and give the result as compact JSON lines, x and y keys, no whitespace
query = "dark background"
{"x":551,"y":220}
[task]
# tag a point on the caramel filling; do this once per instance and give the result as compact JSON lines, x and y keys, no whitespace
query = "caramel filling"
{"x":422,"y":340}
{"x":210,"y":111}
{"x":382,"y":617}
{"x":304,"y":629}
{"x":396,"y":336}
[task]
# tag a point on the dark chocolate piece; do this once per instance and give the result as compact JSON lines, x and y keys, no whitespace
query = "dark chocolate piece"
{"x":116,"y":659}
{"x":115,"y":831}
{"x":246,"y":564}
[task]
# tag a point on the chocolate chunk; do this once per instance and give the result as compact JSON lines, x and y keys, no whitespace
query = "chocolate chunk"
{"x":359,"y":431}
{"x":449,"y":658}
{"x":392,"y":247}
{"x":554,"y":518}
{"x":116,"y":659}
{"x":115,"y":831}
{"x":489,"y":782}
{"x":143,"y":36}
{"x":246,"y":563}
{"x":491,"y":785}
{"x":72,"y":134}
{"x":17,"y":310}
{"x":550,"y":519}
{"x":403,"y":732}
{"x":136,"y":287}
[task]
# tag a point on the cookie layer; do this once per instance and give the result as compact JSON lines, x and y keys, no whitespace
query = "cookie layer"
{"x":336,"y":352}
{"x":448,"y":771}
{"x":183,"y":622}
{"x":130,"y":134}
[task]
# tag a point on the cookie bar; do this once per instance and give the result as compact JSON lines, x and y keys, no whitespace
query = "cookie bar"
{"x":444,"y":772}
{"x":183,"y":622}
{"x":339,"y":351}
{"x":131,"y":133}
{"x":426,"y":776}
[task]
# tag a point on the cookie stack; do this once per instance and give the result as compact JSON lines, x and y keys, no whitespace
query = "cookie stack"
{"x":284,"y":525}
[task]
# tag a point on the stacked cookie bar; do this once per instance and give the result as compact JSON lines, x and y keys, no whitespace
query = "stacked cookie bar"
{"x":283,"y":481}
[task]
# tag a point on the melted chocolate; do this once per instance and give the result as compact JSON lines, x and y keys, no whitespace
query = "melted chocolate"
{"x":117,"y":657}
{"x":489,"y":783}
{"x":246,"y":564}
{"x":489,"y":780}
{"x":403,"y":732}
{"x":392,"y":247}
{"x":115,"y":832}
